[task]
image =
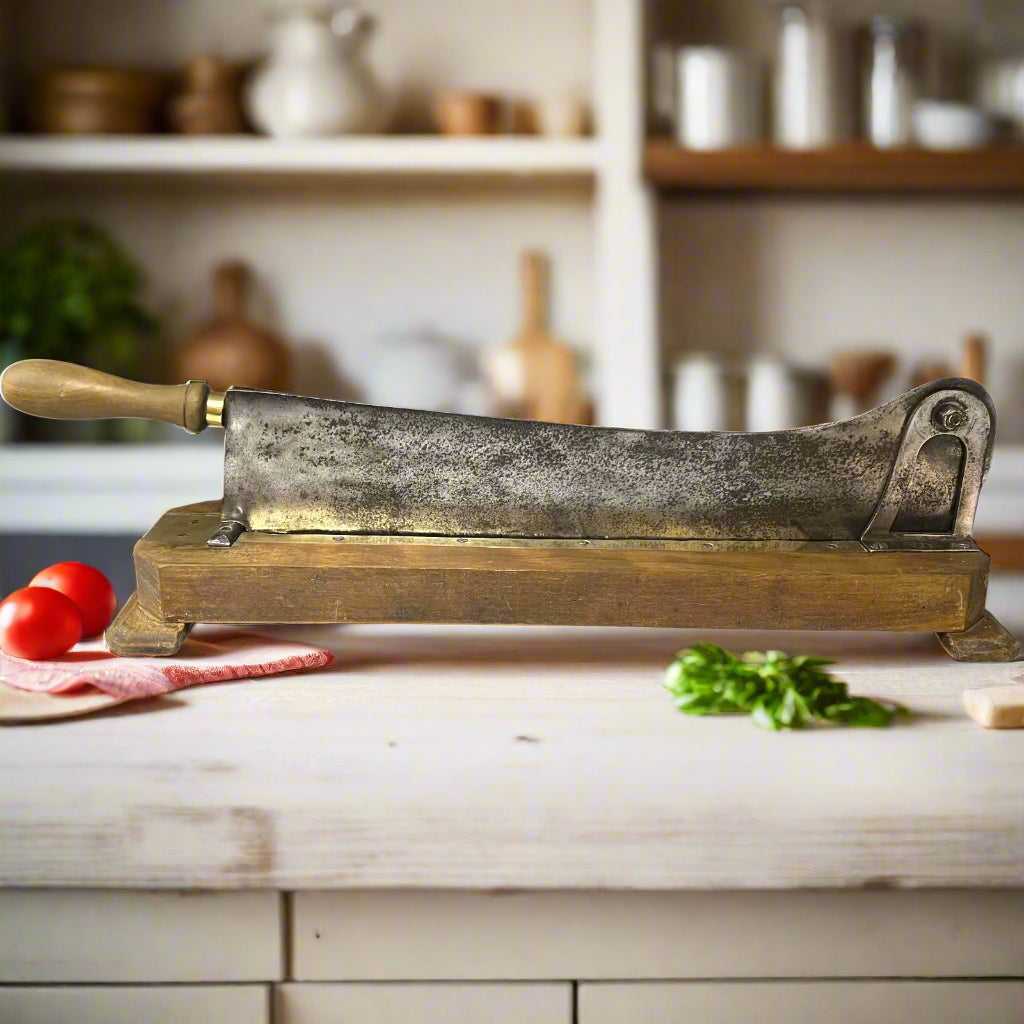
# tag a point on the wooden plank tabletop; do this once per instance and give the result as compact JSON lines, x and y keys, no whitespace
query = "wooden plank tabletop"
{"x":518,"y":757}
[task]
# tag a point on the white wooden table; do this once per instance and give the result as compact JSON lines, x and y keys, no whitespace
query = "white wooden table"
{"x":515,"y":825}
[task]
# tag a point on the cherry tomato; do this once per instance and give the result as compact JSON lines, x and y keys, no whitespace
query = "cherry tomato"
{"x":39,"y":623}
{"x":87,"y":587}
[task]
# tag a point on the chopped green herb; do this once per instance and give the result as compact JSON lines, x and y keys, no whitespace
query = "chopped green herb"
{"x":780,"y":692}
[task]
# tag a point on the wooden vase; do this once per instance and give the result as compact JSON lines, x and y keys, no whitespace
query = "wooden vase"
{"x":229,"y":349}
{"x":209,"y":104}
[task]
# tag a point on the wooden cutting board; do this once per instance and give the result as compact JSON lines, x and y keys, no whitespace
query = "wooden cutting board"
{"x":539,"y":369}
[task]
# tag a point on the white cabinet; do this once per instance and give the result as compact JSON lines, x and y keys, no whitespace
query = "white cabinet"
{"x":424,"y":1004}
{"x":61,"y":935}
{"x":446,"y":957}
{"x":147,"y":1004}
{"x":803,"y":1002}
{"x":353,"y":935}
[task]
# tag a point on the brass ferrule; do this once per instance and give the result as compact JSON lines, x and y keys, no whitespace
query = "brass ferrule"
{"x":215,"y":409}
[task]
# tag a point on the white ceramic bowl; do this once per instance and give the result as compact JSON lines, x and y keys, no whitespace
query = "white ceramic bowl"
{"x":941,"y":125}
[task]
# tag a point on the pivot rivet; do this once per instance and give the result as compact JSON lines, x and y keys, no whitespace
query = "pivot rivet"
{"x":948,"y":416}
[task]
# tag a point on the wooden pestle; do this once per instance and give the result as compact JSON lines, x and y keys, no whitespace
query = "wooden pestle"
{"x":974,"y":358}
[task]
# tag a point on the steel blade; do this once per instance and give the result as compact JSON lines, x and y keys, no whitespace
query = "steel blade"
{"x":296,"y":464}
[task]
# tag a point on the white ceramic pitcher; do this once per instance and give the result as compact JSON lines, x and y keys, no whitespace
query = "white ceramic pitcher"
{"x":316,"y":79}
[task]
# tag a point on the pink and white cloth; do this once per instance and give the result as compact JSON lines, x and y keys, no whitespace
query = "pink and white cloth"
{"x":214,"y":656}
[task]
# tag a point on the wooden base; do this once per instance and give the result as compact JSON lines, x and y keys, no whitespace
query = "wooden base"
{"x":305,"y":578}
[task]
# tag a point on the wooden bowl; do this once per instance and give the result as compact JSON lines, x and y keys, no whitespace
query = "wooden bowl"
{"x":468,"y":113}
{"x":96,"y":101}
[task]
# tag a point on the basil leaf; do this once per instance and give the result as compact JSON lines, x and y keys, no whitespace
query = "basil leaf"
{"x":779,"y":692}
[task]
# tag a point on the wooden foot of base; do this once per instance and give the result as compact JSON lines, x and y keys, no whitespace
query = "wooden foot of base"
{"x":135,"y":633}
{"x":986,"y":640}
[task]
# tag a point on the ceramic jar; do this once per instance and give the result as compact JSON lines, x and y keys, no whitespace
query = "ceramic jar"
{"x":895,"y":62}
{"x":781,"y":396}
{"x":424,"y":369}
{"x":208,"y":105}
{"x":704,"y":394}
{"x":1000,"y":89}
{"x":719,"y":98}
{"x":316,"y":79}
{"x":468,"y":113}
{"x":807,"y":103}
{"x":562,"y":115}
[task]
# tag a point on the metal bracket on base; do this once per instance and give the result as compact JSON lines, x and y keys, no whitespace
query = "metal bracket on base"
{"x":987,"y":640}
{"x":225,"y":535}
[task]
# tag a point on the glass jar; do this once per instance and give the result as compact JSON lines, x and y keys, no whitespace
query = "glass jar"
{"x":892,"y":79}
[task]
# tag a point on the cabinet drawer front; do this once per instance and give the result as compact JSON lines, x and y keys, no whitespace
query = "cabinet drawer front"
{"x":439,"y":1003}
{"x":115,"y":1004}
{"x":411,"y":936}
{"x":90,"y":935}
{"x":802,"y":1002}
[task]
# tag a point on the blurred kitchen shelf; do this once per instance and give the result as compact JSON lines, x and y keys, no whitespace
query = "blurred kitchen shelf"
{"x":103,"y":488}
{"x":1005,"y":549}
{"x":124,"y":488}
{"x":241,"y":156}
{"x":848,"y":168}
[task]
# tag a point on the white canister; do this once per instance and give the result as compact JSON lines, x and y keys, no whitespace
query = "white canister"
{"x":1000,"y":89}
{"x":807,"y":78}
{"x":701,"y":394}
{"x":719,"y":104}
{"x":420,"y":369}
{"x":775,"y":399}
{"x":781,"y":396}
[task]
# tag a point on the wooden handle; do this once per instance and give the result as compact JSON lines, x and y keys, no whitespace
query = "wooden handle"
{"x":64,"y":391}
{"x":533,"y":270}
{"x":974,"y":358}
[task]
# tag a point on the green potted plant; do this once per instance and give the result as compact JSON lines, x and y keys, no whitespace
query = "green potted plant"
{"x":68,"y":291}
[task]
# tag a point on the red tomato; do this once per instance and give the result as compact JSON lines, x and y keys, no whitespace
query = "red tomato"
{"x":39,"y":623}
{"x":87,"y":587}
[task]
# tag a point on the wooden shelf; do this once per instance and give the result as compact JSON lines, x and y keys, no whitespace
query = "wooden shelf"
{"x":409,"y":156}
{"x":850,"y":168}
{"x":1005,"y":549}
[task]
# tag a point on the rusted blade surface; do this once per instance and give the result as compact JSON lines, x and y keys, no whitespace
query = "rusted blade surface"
{"x":300,"y":464}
